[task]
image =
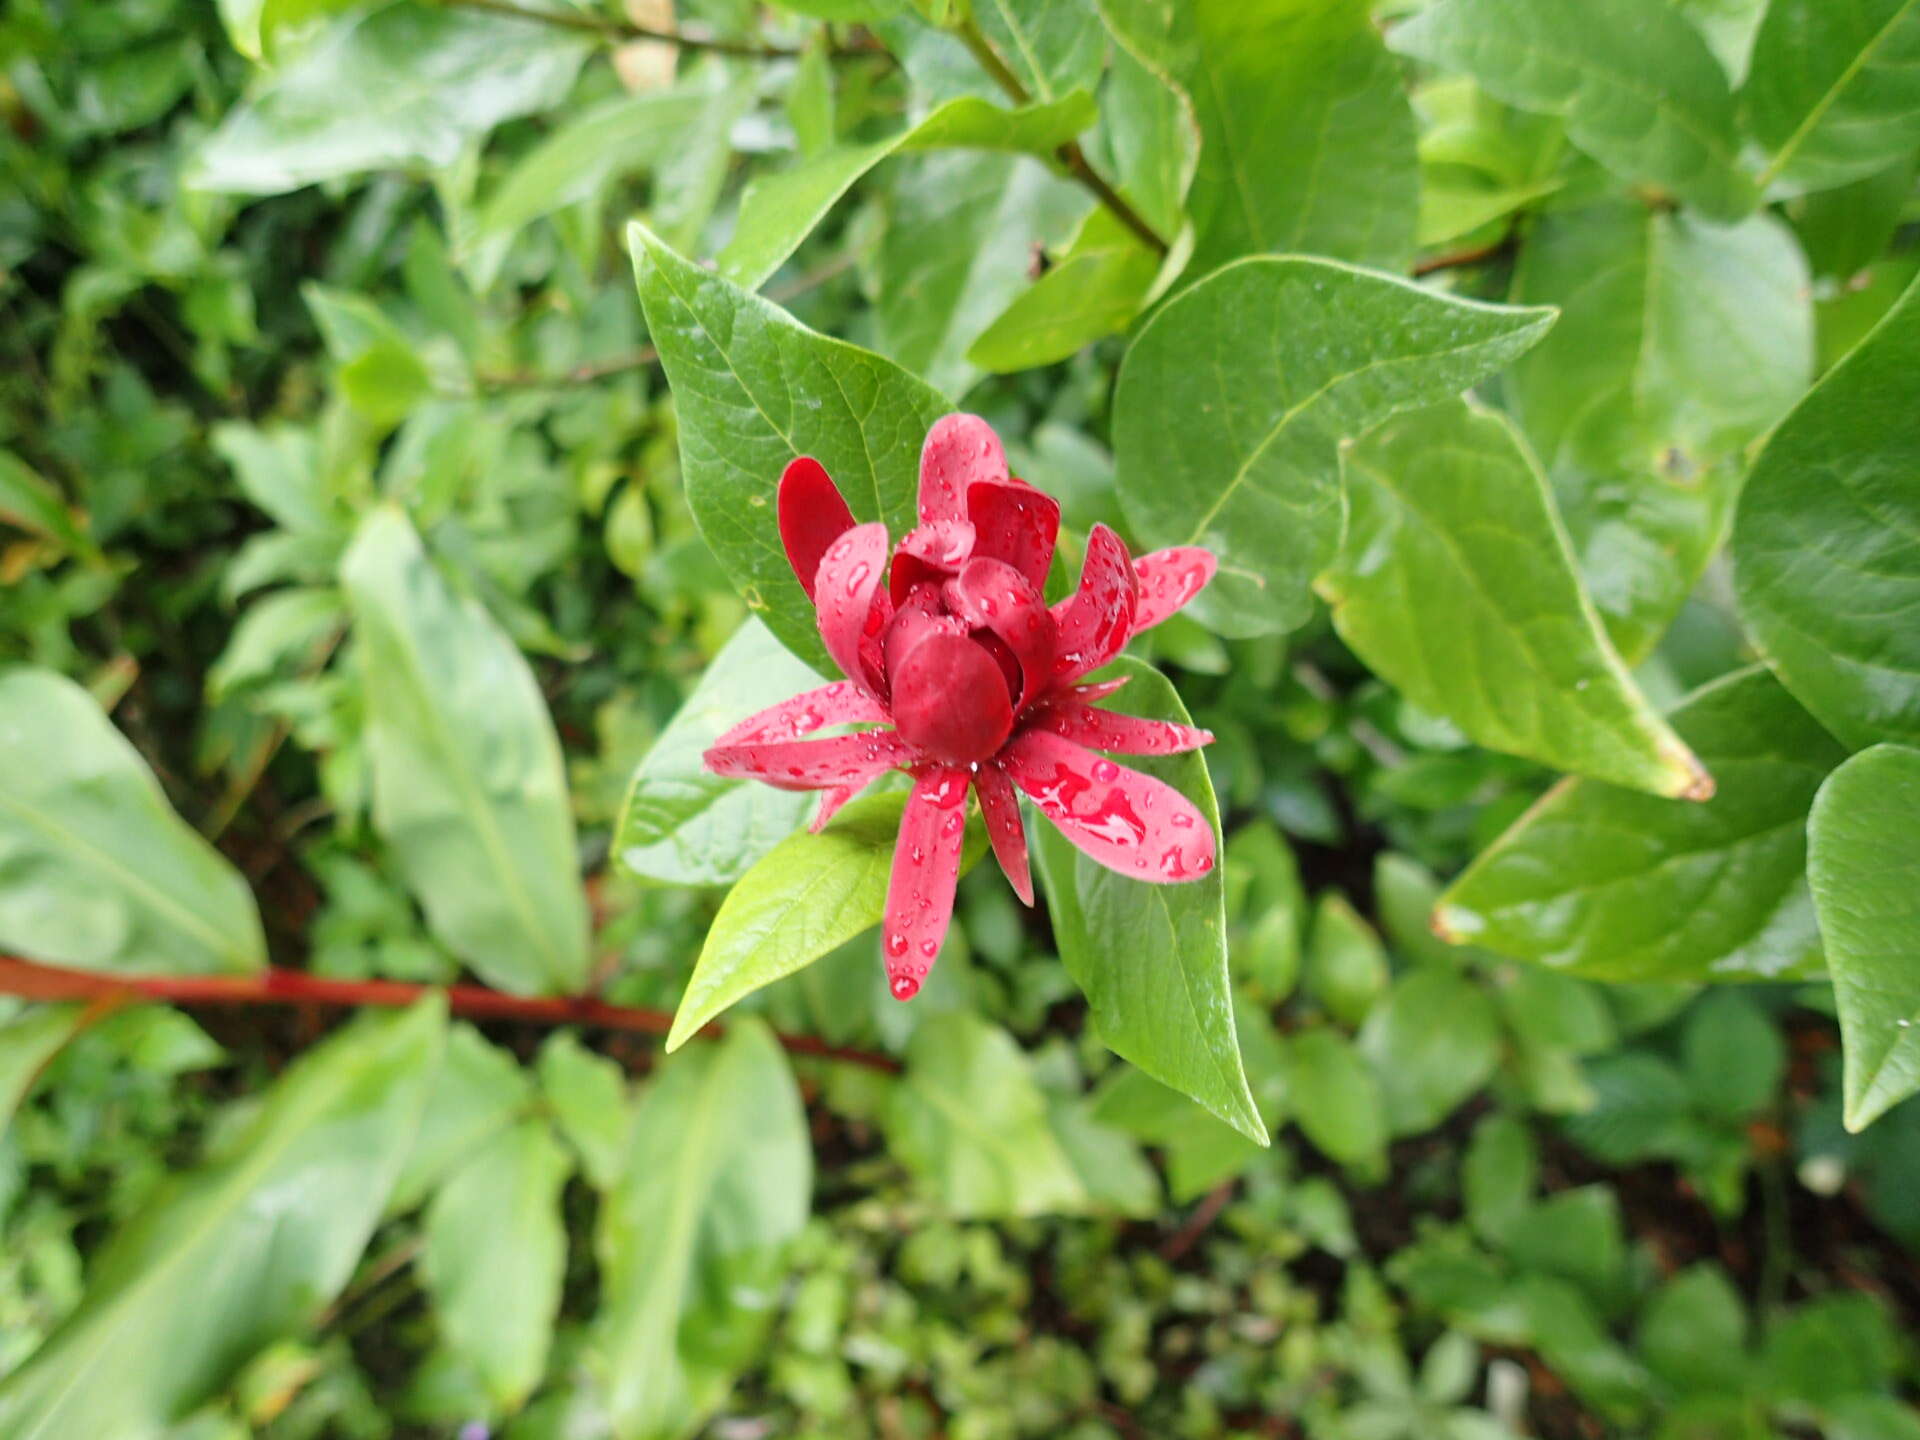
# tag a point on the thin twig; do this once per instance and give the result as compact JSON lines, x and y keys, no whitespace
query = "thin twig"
{"x":32,"y":981}
{"x":1070,"y":154}
{"x":620,"y":32}
{"x":1456,"y":259}
{"x":1204,"y":1214}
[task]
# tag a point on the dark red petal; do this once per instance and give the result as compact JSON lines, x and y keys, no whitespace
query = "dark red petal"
{"x":922,"y":615}
{"x":1115,"y":733}
{"x":960,"y":449}
{"x":929,"y":555}
{"x":950,"y":700}
{"x":812,"y":517}
{"x":926,"y":866}
{"x":813,"y":764}
{"x":992,"y":595}
{"x":1000,"y":808}
{"x":1168,"y":580}
{"x":841,"y":703}
{"x":1097,"y":619}
{"x":1129,"y":822}
{"x":844,"y":586}
{"x":1016,"y":523}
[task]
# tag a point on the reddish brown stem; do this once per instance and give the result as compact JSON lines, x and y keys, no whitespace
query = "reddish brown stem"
{"x":32,"y":981}
{"x":1455,"y":259}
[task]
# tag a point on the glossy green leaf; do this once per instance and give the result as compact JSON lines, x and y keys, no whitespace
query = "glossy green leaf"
{"x":1152,"y":959}
{"x":693,"y":1239}
{"x":1150,"y":129}
{"x":780,"y":210}
{"x":970,"y":1121}
{"x":1865,"y":867}
{"x":494,"y":1251}
{"x":28,"y":1042}
{"x":1637,"y":85}
{"x":684,"y":826}
{"x":1052,"y":46}
{"x":1614,"y":885}
{"x":1337,"y":1101}
{"x":1456,"y":584}
{"x":1433,"y":1041}
{"x":468,"y":785}
{"x":96,"y":870}
{"x":396,"y":86}
{"x":1307,"y":140}
{"x":240,"y":1252}
{"x":1826,"y":544}
{"x":752,"y":389}
{"x":1679,"y":343}
{"x":1095,"y":290}
{"x":1234,"y":398}
{"x":809,"y":895}
{"x":1834,"y":90}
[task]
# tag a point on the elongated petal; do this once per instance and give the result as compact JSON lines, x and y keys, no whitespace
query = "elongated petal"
{"x":834,"y":798}
{"x":926,"y":867}
{"x":992,"y":595}
{"x":929,"y":554}
{"x":950,"y":699}
{"x":813,"y":764}
{"x":1096,"y":619}
{"x":841,"y":703}
{"x":1129,"y":822}
{"x":1016,"y":523}
{"x":1168,"y":580}
{"x":812,"y":516}
{"x":1000,"y":808}
{"x":844,"y":587}
{"x":1115,"y":733}
{"x":960,"y":450}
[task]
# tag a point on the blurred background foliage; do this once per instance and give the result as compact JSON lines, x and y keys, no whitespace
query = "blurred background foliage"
{"x":264,"y":268}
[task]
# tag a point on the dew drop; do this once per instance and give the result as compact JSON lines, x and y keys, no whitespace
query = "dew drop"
{"x":951,"y":825}
{"x":896,"y":944}
{"x":929,"y":948}
{"x":904,"y":987}
{"x":857,"y":576}
{"x":1184,"y":821}
{"x":1106,"y":772}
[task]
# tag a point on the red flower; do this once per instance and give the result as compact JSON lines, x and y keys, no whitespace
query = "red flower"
{"x":951,"y":644}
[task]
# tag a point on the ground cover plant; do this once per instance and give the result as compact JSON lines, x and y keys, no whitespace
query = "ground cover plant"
{"x":544,"y":545}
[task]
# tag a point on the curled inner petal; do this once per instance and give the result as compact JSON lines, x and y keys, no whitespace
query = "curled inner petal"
{"x":1168,"y":580}
{"x":1131,"y":823}
{"x":929,"y":554}
{"x":926,"y":866}
{"x":1000,"y":808}
{"x":992,"y":595}
{"x":844,"y":586}
{"x":812,"y":516}
{"x":1097,"y":619}
{"x":959,"y":450}
{"x":813,"y":764}
{"x":950,"y":700}
{"x":841,"y":703}
{"x":1118,"y":734}
{"x":1016,"y":523}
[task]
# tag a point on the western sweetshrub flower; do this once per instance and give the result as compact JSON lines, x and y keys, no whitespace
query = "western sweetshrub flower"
{"x":948,"y":644}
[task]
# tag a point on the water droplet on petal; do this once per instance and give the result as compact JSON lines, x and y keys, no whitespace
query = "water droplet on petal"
{"x":1106,"y":772}
{"x":929,"y":948}
{"x":896,"y":944}
{"x":1183,"y":820}
{"x":857,"y":576}
{"x":904,"y":987}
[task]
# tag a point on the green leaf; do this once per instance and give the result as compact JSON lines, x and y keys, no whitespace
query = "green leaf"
{"x":251,"y":24}
{"x":780,"y":210}
{"x":240,"y":1252}
{"x":588,"y":1096}
{"x":1679,"y":343}
{"x":478,"y":1092}
{"x":96,"y":870}
{"x":400,"y":86}
{"x":958,"y":250}
{"x":684,"y":826}
{"x":1834,"y":90}
{"x":693,"y":1240}
{"x":1234,"y":398}
{"x":278,"y":468}
{"x":380,"y":372}
{"x":1637,"y":85}
{"x":1614,"y":885}
{"x":1149,"y":126}
{"x":28,"y":1042}
{"x":468,"y":784}
{"x":1433,"y":1042}
{"x":1456,"y":585}
{"x":1307,"y":140}
{"x":1346,"y":966}
{"x":1053,"y":46}
{"x":1499,"y":1174}
{"x":1826,"y":544}
{"x":1693,"y":1332}
{"x":753,"y":389}
{"x":1152,"y":959}
{"x":1733,"y":1054}
{"x":1864,"y":863}
{"x":34,"y":505}
{"x":1337,"y":1101}
{"x":1095,"y":290}
{"x":970,"y":1121}
{"x":809,"y":895}
{"x":495,"y":1249}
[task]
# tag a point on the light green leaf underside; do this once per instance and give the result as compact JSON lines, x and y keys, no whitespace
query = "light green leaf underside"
{"x":1613,"y":885}
{"x":1234,"y":399}
{"x":28,"y":1041}
{"x":1095,"y":290}
{"x":1865,"y":868}
{"x":96,"y":869}
{"x":239,"y":1253}
{"x":1456,"y":585}
{"x":753,"y":389}
{"x":468,"y":784}
{"x":1152,"y":959}
{"x":1639,"y":88}
{"x":684,"y":826}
